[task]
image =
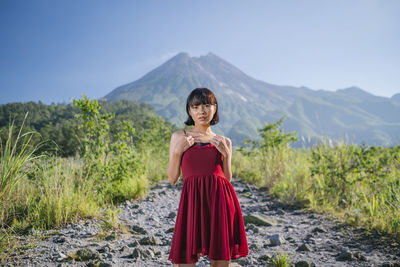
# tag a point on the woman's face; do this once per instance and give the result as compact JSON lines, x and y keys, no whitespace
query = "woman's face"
{"x":202,"y":113}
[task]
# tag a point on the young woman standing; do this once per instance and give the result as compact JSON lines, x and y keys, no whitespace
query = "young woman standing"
{"x":209,"y":219}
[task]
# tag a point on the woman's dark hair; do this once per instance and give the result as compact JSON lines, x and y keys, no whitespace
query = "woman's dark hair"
{"x":201,"y":96}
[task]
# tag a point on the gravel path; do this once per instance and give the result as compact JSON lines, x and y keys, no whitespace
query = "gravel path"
{"x":310,"y":239}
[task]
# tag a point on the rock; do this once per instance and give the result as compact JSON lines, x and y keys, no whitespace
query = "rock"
{"x":136,"y":253}
{"x":244,"y":190}
{"x":171,"y":215}
{"x":124,"y":249}
{"x":304,"y":264}
{"x":311,"y":216}
{"x":135,"y":229}
{"x":359,"y":256}
{"x":155,"y":219}
{"x":158,"y":253}
{"x":264,"y":258}
{"x":134,"y":244}
{"x":280,"y":212}
{"x":143,"y":254}
{"x":159,"y":234}
{"x":87,"y":254}
{"x":345,"y":254}
{"x":99,"y":264}
{"x":148,"y":253}
{"x":390,"y":264}
{"x":259,"y":219}
{"x":311,"y":240}
{"x":256,"y":246}
{"x":319,"y":230}
{"x":253,"y":227}
{"x":111,"y":236}
{"x":276,"y":239}
{"x":105,"y":248}
{"x":304,"y":247}
{"x":263,"y":189}
{"x":60,"y":239}
{"x":149,"y":241}
{"x":308,"y":236}
{"x":61,"y":257}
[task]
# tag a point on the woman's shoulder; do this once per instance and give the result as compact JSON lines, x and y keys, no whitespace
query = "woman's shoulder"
{"x":177,"y":133}
{"x":227,"y":139}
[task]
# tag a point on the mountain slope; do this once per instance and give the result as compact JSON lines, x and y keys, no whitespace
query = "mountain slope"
{"x":245,"y":103}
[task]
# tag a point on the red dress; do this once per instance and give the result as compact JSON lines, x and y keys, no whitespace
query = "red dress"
{"x":209,"y":219}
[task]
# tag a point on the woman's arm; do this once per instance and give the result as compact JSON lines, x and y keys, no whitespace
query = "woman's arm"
{"x":174,"y":165}
{"x":227,"y":160}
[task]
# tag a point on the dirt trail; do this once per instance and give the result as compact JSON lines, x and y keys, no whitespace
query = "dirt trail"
{"x":308,"y":238}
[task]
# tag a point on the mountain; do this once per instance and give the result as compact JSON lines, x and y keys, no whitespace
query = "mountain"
{"x":396,"y":98}
{"x":246,"y":104}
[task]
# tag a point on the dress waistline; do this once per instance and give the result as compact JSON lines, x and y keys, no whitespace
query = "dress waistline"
{"x":205,"y":174}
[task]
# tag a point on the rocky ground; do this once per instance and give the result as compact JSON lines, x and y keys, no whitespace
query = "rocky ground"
{"x":310,"y":239}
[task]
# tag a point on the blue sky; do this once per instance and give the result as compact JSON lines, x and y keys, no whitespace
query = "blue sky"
{"x":56,"y":50}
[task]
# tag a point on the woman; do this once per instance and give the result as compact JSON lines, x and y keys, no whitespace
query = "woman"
{"x":209,"y":219}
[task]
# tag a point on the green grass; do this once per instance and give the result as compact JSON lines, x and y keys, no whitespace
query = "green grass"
{"x":279,"y":260}
{"x":15,"y":156}
{"x":357,"y":184}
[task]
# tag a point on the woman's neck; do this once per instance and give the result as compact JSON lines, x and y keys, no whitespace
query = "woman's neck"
{"x":202,"y":129}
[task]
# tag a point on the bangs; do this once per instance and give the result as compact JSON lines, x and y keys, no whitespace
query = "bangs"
{"x":202,"y":98}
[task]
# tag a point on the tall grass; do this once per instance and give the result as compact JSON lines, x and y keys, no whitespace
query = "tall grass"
{"x":283,"y":170}
{"x":48,"y":191}
{"x":358,"y":184}
{"x":56,"y":193}
{"x":16,"y":155}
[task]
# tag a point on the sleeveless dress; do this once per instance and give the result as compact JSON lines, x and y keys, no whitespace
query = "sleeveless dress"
{"x":209,"y":218}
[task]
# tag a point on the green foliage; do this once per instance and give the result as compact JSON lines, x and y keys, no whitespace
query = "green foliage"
{"x":271,"y":137}
{"x":271,"y":154}
{"x":58,"y":124}
{"x":52,"y":122}
{"x":274,"y":137}
{"x":57,"y":193}
{"x":110,"y":158}
{"x":280,"y":260}
{"x":338,"y":169}
{"x":117,"y":155}
{"x":15,"y":156}
{"x":359,"y":184}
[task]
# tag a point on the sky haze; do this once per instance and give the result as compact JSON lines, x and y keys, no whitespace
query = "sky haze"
{"x":54,"y":51}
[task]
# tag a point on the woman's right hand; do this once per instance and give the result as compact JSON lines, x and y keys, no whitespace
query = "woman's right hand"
{"x":183,"y":143}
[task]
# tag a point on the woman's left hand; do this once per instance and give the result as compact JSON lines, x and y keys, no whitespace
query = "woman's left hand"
{"x":221,"y":144}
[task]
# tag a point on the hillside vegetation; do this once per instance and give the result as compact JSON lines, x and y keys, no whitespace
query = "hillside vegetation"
{"x":117,"y":156}
{"x":66,"y":162}
{"x":358,"y":184}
